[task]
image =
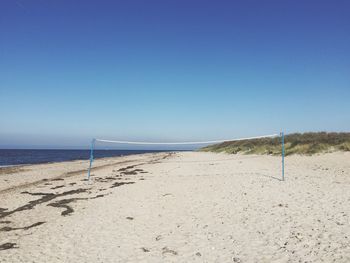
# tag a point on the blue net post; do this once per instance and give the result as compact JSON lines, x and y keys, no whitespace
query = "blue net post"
{"x":91,"y":157}
{"x":283,"y":153}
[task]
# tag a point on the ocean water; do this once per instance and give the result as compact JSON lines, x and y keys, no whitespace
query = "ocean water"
{"x":27,"y":156}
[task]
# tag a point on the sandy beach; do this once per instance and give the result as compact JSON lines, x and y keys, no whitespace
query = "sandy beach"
{"x":178,"y":207}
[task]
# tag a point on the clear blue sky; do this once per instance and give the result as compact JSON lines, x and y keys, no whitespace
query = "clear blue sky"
{"x":171,"y":70}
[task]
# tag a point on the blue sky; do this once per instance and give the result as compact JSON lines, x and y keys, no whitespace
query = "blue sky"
{"x":171,"y":70}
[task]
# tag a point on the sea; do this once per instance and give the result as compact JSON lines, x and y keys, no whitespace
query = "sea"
{"x":11,"y":157}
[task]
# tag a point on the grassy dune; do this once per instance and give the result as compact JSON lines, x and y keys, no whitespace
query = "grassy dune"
{"x":296,"y":143}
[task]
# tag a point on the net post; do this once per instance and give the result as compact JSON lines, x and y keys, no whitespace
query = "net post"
{"x":91,"y":157}
{"x":283,"y":153}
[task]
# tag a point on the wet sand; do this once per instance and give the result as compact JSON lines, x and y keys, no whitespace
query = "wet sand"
{"x":178,"y":207}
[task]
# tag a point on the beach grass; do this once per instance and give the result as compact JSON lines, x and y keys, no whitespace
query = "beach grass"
{"x":296,"y":143}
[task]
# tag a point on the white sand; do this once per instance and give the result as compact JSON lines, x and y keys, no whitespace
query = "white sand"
{"x":200,"y":207}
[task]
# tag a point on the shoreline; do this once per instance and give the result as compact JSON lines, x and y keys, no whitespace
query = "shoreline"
{"x":17,"y":176}
{"x":78,"y":158}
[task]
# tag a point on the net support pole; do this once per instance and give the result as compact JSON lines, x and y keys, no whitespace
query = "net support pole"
{"x":91,"y":157}
{"x":283,"y":153}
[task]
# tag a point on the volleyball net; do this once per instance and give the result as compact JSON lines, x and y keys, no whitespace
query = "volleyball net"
{"x":198,"y":143}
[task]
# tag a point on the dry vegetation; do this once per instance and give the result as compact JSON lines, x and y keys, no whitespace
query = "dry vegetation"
{"x":296,"y":143}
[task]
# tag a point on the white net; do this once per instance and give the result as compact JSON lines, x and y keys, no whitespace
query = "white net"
{"x":185,"y":143}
